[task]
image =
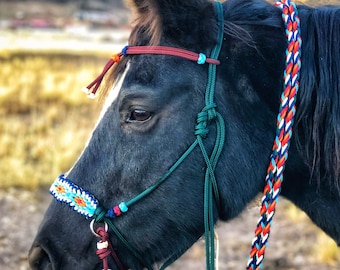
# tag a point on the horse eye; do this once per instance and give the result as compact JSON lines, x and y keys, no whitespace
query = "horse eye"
{"x":139,"y":116}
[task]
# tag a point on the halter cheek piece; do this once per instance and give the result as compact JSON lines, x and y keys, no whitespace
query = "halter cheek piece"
{"x":87,"y":205}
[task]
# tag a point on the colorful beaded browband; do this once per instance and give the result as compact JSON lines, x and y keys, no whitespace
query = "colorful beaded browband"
{"x":80,"y":200}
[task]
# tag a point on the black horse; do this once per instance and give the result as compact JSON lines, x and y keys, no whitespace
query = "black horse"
{"x":149,"y":119}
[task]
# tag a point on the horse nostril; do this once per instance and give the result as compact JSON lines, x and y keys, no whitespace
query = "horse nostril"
{"x":38,"y":259}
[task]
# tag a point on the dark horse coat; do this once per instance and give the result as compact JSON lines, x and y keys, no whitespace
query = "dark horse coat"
{"x":149,"y":119}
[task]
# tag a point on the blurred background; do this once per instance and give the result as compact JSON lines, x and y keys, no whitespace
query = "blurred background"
{"x":49,"y":50}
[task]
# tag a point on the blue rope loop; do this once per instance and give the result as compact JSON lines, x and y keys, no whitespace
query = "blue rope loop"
{"x":124,"y":50}
{"x":201,"y":59}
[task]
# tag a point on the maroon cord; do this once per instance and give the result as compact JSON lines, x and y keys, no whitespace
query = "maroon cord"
{"x":104,"y":249}
{"x":164,"y":50}
{"x":168,"y":51}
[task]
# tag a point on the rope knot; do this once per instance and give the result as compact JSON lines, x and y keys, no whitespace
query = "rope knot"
{"x":99,"y":214}
{"x":115,"y":58}
{"x":211,"y":111}
{"x":204,"y":118}
{"x":124,"y":51}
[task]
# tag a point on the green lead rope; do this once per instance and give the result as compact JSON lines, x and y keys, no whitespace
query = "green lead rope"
{"x":210,"y":188}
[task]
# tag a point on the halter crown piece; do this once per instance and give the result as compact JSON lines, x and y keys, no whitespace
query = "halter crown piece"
{"x":87,"y":205}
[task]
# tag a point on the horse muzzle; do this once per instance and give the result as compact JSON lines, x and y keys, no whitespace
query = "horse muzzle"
{"x":39,"y":259}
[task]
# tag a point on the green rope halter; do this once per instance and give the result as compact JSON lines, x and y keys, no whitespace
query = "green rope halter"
{"x":86,"y":204}
{"x":207,"y":116}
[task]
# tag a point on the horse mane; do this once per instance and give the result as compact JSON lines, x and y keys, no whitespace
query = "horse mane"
{"x":318,"y":105}
{"x":317,"y":123}
{"x":318,"y":108}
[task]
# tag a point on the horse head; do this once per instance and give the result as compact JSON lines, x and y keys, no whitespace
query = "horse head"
{"x":153,"y":115}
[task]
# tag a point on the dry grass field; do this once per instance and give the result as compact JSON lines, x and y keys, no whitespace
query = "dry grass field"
{"x":45,"y":119}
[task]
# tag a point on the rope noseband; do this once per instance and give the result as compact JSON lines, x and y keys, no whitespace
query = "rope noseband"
{"x":87,"y":205}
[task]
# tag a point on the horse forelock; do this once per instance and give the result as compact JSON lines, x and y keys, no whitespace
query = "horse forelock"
{"x":318,"y":110}
{"x":111,"y":79}
{"x":147,"y":27}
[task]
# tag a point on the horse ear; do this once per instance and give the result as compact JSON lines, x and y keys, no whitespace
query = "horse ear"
{"x":147,"y":25}
{"x":188,"y":22}
{"x":143,"y":6}
{"x":140,"y":6}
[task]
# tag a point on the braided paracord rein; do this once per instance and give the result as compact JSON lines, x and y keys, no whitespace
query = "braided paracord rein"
{"x":285,"y":122}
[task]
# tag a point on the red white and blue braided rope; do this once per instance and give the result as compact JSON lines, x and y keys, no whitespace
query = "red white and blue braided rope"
{"x":285,"y":120}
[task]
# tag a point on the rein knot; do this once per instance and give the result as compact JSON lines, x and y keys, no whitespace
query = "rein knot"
{"x":207,"y":115}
